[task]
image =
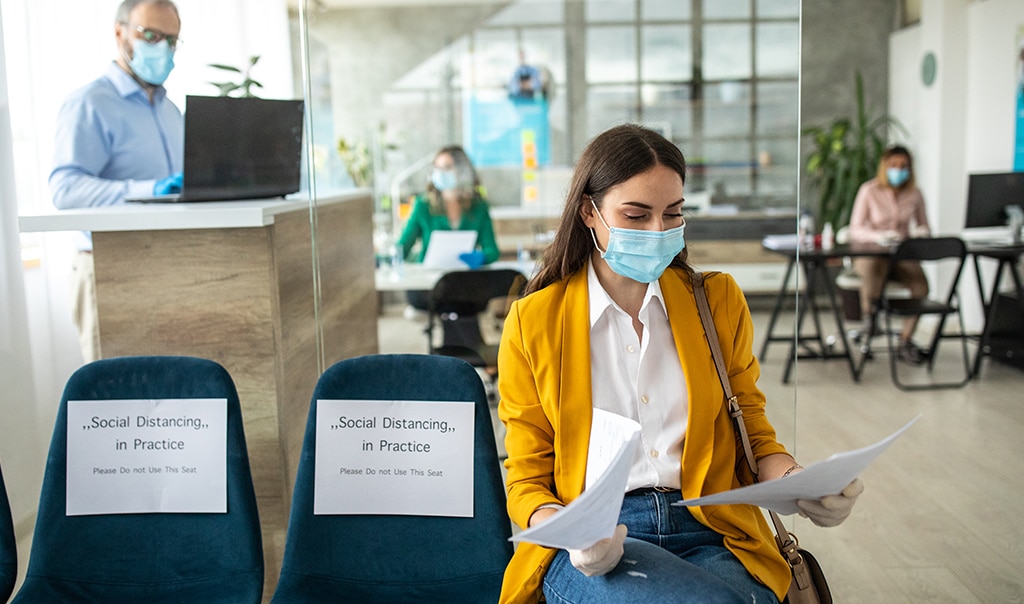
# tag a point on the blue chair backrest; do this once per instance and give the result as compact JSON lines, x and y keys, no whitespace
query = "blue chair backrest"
{"x":149,"y":557}
{"x":8,"y":546}
{"x":353,"y":558}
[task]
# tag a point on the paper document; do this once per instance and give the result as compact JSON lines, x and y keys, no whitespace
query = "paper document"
{"x":787,"y":241}
{"x":827,"y":477}
{"x":594,"y":514}
{"x":445,"y":247}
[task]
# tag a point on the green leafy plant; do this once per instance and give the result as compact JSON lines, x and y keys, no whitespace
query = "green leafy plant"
{"x":243,"y":88}
{"x":360,"y":158}
{"x":845,"y":154}
{"x":358,"y":161}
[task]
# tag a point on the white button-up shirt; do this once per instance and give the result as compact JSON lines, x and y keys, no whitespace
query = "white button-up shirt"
{"x":639,"y":378}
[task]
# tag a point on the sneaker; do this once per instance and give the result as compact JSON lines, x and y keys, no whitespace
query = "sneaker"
{"x":910,"y":353}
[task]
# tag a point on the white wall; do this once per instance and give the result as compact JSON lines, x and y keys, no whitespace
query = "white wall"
{"x":991,"y":75}
{"x":963,"y":122}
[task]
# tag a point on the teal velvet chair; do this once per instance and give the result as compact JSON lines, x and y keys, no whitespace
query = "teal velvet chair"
{"x":8,"y":546}
{"x":149,"y":557}
{"x":377,"y":558}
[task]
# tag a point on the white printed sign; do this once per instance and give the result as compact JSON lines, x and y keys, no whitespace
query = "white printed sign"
{"x":136,"y":456}
{"x":394,"y":457}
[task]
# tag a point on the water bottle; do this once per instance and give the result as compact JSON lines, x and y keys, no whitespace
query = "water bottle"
{"x":828,"y":237}
{"x":806,"y":230}
{"x":524,"y":260}
{"x":396,"y":262}
{"x":1016,"y":214}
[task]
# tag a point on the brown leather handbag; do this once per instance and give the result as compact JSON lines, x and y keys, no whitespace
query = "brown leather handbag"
{"x":808,"y":585}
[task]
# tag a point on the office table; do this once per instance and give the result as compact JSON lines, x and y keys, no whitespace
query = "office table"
{"x":411,"y":276}
{"x":815,"y":266}
{"x":1007,"y":257}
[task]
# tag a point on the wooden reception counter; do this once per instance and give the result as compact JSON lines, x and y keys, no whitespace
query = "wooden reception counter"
{"x":233,"y":282}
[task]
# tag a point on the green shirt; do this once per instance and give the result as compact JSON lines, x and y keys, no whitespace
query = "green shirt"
{"x":423,"y":222}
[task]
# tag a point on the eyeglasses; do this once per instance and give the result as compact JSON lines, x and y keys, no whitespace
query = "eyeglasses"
{"x":153,"y":36}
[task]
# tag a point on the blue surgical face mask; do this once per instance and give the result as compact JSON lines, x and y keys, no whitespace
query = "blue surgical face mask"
{"x":897,"y":176}
{"x":640,"y":255}
{"x":444,"y":180}
{"x":151,"y":63}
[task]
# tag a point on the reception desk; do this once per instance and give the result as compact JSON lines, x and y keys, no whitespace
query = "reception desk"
{"x":233,"y":282}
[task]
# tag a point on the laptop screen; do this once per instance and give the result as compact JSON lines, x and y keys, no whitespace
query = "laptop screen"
{"x":241,"y":148}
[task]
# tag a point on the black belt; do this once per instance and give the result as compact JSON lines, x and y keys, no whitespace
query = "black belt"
{"x":648,"y":490}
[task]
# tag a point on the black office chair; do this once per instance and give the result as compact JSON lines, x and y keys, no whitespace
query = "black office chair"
{"x":455,"y":304}
{"x":950,"y":251}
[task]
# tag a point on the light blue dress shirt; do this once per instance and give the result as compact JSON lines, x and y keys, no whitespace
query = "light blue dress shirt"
{"x":112,"y":143}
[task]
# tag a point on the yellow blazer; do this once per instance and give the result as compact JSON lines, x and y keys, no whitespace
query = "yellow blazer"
{"x":544,"y":382}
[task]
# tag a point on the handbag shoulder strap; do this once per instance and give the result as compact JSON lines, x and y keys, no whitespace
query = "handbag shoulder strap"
{"x":735,"y":412}
{"x":783,"y":537}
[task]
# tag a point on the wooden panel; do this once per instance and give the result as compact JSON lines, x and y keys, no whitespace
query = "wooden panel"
{"x":348,"y":308}
{"x":244,"y":297}
{"x":200,"y":293}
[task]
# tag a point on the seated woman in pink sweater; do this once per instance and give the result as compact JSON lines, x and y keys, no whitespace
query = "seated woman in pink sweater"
{"x":890,"y":208}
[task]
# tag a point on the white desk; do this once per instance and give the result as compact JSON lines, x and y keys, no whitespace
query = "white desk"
{"x":411,"y":276}
{"x":252,"y":213}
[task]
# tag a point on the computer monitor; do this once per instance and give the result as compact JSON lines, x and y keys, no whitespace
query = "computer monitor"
{"x":988,"y":196}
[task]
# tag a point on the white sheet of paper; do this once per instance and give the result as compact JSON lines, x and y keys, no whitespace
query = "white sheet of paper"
{"x":593,"y":515}
{"x":445,"y":248}
{"x":826,"y":477}
{"x":421,"y":452}
{"x":137,"y":456}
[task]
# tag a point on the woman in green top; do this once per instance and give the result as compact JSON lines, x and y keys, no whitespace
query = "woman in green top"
{"x":452,"y":203}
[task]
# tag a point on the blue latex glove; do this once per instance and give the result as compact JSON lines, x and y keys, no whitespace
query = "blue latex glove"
{"x":166,"y":186}
{"x":474,"y":259}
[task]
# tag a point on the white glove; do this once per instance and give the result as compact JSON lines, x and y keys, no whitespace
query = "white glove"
{"x":831,"y":510}
{"x":886,"y":238}
{"x":602,"y":557}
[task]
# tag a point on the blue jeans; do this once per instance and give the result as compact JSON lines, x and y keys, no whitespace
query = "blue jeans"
{"x":669,"y":557}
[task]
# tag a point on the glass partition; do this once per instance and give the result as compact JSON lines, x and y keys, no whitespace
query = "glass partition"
{"x":394,"y":82}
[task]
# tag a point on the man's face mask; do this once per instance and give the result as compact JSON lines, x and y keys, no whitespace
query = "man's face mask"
{"x":151,"y":62}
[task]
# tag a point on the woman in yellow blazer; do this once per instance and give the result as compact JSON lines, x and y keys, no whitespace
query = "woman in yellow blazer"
{"x":610,"y":322}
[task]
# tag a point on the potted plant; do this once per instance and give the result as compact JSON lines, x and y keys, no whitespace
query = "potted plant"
{"x":844,"y":155}
{"x":243,"y":88}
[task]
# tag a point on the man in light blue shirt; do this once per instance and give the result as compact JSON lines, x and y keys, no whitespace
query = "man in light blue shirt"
{"x":118,"y":137}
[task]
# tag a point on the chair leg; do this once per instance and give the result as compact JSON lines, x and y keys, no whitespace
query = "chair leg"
{"x":864,"y":339}
{"x":933,"y":350}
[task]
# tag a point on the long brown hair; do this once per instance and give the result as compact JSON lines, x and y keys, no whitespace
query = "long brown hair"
{"x":611,"y":158}
{"x":469,"y":181}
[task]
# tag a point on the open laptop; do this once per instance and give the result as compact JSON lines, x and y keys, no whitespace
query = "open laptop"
{"x":239,"y":148}
{"x":445,"y":248}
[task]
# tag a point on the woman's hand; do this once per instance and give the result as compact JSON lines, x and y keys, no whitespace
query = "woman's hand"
{"x":831,"y":510}
{"x":602,"y":557}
